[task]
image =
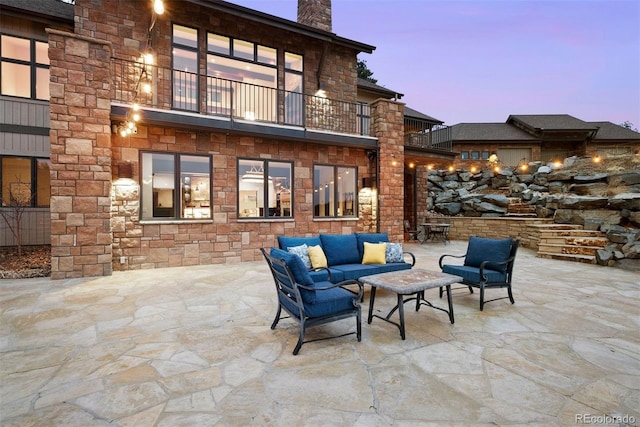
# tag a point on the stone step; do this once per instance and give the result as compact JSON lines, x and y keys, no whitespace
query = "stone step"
{"x":587,"y":259}
{"x":555,"y":226}
{"x":552,"y":233}
{"x":521,"y":214}
{"x":576,"y":241}
{"x":567,"y":249}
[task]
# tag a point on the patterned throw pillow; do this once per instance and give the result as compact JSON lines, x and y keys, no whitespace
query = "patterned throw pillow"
{"x":303,"y":252}
{"x":394,"y":252}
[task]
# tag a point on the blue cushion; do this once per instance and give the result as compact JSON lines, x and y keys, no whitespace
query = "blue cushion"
{"x":299,"y":272}
{"x":336,"y":275}
{"x":394,"y":266}
{"x":472,"y":274}
{"x":330,"y":301}
{"x":483,"y":249}
{"x":321,"y":275}
{"x":355,"y":271}
{"x":286,"y":242}
{"x":340,"y":248}
{"x":369,"y":238}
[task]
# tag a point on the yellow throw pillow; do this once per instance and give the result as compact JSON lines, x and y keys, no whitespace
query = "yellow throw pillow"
{"x":316,"y":255}
{"x":374,"y":253}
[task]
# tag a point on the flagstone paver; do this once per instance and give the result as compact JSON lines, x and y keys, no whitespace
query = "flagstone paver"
{"x":192,"y":347}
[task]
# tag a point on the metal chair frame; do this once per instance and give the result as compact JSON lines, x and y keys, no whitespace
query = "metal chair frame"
{"x":282,"y":277}
{"x":482,"y":284}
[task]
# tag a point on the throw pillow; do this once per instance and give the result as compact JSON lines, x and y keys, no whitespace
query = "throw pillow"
{"x":317,"y":257}
{"x":303,"y":252}
{"x":394,"y":252}
{"x":374,"y":253}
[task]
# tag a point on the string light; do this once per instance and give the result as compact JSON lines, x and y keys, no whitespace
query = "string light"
{"x":143,"y":82}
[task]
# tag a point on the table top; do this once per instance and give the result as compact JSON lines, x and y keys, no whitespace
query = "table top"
{"x":406,"y":282}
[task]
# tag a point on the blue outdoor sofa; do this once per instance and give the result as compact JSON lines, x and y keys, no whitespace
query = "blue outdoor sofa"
{"x":344,"y":253}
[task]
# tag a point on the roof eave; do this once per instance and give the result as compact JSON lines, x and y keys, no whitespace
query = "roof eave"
{"x":285,"y":24}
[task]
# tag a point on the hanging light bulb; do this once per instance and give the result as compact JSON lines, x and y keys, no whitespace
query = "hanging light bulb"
{"x":146,"y":87}
{"x":147,"y":58}
{"x":130,"y":125}
{"x":135,"y":107}
{"x":158,"y":7}
{"x":123,"y":132}
{"x":135,"y":117}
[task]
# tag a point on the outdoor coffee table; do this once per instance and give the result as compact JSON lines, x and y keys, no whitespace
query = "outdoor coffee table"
{"x":409,"y":282}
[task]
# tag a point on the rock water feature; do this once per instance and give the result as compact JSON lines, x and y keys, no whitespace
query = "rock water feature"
{"x":602,"y":198}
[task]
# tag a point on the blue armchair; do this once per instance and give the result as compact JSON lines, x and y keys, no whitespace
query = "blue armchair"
{"x":488,"y":264}
{"x":307,"y":302}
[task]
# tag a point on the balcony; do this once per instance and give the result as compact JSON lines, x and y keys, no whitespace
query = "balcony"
{"x":427,"y":136}
{"x":206,"y":102}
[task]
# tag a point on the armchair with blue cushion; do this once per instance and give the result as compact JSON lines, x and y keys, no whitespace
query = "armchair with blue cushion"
{"x":488,"y":264}
{"x":307,"y":302}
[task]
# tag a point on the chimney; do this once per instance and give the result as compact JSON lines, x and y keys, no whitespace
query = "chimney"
{"x":315,"y":13}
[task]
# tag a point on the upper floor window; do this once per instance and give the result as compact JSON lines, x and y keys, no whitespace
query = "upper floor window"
{"x":475,"y":155}
{"x":464,"y":155}
{"x":293,"y":86}
{"x":241,"y":78}
{"x":264,"y":188}
{"x":185,"y":68}
{"x":363,"y":123}
{"x":24,"y":181}
{"x":175,"y":186}
{"x":334,"y":191}
{"x":24,"y":67}
{"x":485,"y":155}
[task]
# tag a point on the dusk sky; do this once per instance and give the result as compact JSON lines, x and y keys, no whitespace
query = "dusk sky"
{"x":480,"y":61}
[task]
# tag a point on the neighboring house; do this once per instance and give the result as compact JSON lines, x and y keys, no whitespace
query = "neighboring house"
{"x":198,"y":133}
{"x":24,"y":112}
{"x":544,"y":137}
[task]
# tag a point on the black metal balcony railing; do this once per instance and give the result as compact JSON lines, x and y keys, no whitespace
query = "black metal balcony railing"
{"x":427,"y":135}
{"x":184,"y":91}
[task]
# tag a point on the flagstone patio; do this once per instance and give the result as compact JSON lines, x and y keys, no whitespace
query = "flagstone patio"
{"x":191,"y":346}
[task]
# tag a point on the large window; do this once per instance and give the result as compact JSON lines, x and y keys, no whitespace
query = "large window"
{"x":241,"y":79}
{"x":185,"y":68}
{"x":264,"y":188}
{"x":25,"y":181}
{"x":24,"y":67}
{"x":334,"y":191}
{"x":175,"y":186}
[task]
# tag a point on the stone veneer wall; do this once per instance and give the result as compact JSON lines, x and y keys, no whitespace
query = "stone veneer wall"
{"x":387,"y":121}
{"x":464,"y":227}
{"x":157,"y":244}
{"x":80,"y":156}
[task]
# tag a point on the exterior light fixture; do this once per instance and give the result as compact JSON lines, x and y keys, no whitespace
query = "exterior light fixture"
{"x":597,"y":159}
{"x":451,"y":168}
{"x":473,"y":169}
{"x":158,"y":7}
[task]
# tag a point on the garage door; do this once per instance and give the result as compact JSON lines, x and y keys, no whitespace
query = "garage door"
{"x":513,"y":156}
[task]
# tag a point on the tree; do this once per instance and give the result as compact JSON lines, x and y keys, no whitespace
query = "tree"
{"x":628,"y":125}
{"x":364,"y":72}
{"x":19,"y":199}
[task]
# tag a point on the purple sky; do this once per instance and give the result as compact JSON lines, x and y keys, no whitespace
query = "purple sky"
{"x":479,"y":61}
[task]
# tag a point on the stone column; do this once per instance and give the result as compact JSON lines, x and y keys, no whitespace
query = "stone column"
{"x":80,"y":135}
{"x":387,"y":118}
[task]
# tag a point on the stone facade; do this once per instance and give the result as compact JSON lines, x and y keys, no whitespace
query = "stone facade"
{"x":96,"y":224}
{"x":315,"y":13}
{"x":80,"y":156}
{"x":388,"y":127}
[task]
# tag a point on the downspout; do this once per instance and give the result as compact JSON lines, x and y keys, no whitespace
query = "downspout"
{"x":320,"y":85}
